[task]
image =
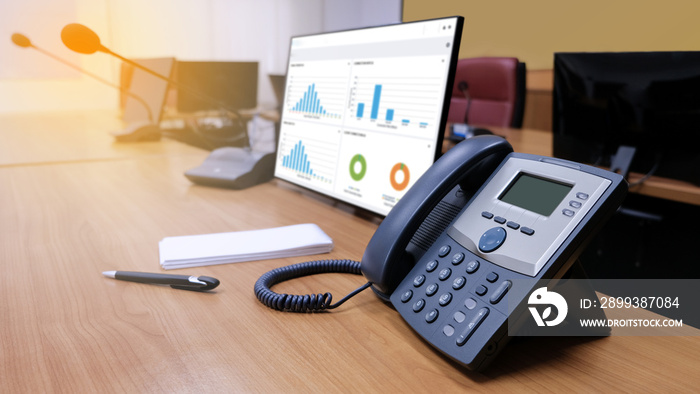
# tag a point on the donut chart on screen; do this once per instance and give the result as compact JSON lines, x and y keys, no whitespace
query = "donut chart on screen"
{"x":358,"y":159}
{"x":399,"y":167}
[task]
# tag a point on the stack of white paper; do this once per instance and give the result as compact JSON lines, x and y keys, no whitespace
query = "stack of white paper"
{"x":209,"y":249}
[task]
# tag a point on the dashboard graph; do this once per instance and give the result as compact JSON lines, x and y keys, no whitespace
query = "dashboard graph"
{"x":315,"y":93}
{"x":310,"y":104}
{"x":385,"y":95}
{"x":362,"y":110}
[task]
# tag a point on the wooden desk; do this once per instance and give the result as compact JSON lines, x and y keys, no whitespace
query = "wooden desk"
{"x":66,"y":328}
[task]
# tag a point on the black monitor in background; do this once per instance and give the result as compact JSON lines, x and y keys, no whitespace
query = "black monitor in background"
{"x":278,"y":83}
{"x":152,"y":90}
{"x":646,"y":100}
{"x":233,"y":84}
{"x":364,"y":110}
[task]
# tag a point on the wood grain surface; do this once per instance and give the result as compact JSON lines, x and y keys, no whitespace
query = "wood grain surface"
{"x":74,"y":206}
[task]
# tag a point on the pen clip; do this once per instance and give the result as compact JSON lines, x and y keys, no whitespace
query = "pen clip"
{"x":198,"y":283}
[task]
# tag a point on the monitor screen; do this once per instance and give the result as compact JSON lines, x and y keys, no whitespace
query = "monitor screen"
{"x":646,"y":100}
{"x":233,"y":84}
{"x":364,"y":110}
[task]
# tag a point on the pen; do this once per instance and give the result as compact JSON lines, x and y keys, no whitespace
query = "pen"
{"x":182,"y":282}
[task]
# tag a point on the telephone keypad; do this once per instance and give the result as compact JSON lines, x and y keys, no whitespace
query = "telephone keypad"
{"x":406,"y":296}
{"x":475,"y":297}
{"x":419,"y":280}
{"x":444,"y":251}
{"x":431,"y":290}
{"x":445,"y":299}
{"x":432,"y":316}
{"x":445,"y":274}
{"x":418,"y":305}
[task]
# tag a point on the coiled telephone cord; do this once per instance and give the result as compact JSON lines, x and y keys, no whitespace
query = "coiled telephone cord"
{"x":309,"y":302}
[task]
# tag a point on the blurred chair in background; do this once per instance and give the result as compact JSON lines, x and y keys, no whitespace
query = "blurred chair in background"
{"x":488,"y":91}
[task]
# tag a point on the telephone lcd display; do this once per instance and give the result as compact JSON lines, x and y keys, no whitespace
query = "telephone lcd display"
{"x":535,"y":194}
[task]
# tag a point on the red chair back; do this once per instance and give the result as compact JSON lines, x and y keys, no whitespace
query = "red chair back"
{"x":496,"y":88}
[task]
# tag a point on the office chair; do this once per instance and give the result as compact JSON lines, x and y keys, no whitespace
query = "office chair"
{"x":488,"y":91}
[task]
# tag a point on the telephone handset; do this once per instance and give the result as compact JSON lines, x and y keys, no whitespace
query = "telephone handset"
{"x":467,"y":164}
{"x":450,"y":253}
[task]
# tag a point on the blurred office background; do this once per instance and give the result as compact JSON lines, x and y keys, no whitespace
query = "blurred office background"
{"x":191,"y":30}
{"x":259,"y":30}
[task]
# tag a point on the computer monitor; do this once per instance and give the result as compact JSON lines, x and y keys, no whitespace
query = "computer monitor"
{"x":233,"y":84}
{"x":646,"y":100}
{"x":364,"y":110}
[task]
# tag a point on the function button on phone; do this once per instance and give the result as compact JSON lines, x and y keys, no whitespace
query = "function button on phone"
{"x":500,"y":292}
{"x":406,"y":296}
{"x":582,"y":196}
{"x":444,"y":274}
{"x":492,"y":277}
{"x":432,"y":289}
{"x":419,"y":305}
{"x":487,"y":215}
{"x":513,"y":225}
{"x":499,"y":219}
{"x":418,"y":281}
{"x":568,"y":212}
{"x":448,"y":330}
{"x":470,"y":303}
{"x":481,"y":290}
{"x":575,"y":204}
{"x":472,"y":266}
{"x":457,"y":258}
{"x":492,"y":239}
{"x":459,"y":282}
{"x":431,"y":316}
{"x":444,"y":251}
{"x":430,"y":267}
{"x":473,"y":324}
{"x":445,"y":299}
{"x":527,"y":230}
{"x":459,"y":316}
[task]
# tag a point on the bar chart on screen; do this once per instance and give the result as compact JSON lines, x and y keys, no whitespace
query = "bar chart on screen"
{"x":397,"y":101}
{"x":314,"y":94}
{"x":310,"y":158}
{"x":396,"y":94}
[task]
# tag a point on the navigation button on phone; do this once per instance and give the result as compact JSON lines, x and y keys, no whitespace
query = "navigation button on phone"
{"x":492,"y":239}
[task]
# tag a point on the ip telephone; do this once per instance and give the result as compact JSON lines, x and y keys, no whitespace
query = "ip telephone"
{"x":474,"y":234}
